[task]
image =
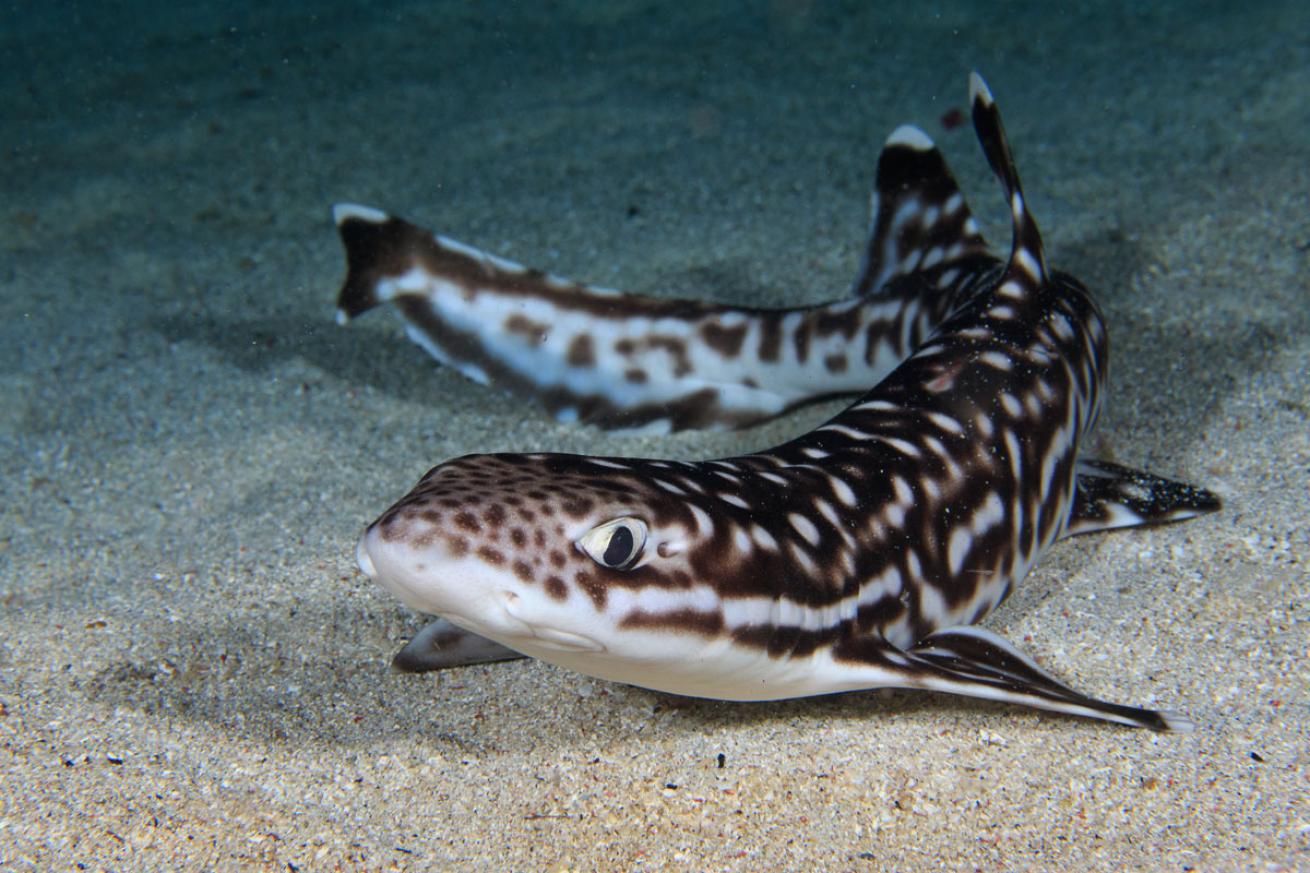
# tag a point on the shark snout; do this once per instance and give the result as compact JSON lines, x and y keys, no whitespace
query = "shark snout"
{"x":393,"y":567}
{"x":364,"y":560}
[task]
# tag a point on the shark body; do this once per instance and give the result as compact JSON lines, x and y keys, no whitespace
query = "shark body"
{"x":859,"y":555}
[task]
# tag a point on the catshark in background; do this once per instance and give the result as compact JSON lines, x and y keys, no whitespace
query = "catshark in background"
{"x":652,"y":364}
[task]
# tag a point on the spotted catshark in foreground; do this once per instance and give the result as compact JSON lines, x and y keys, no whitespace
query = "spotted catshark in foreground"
{"x":859,"y":555}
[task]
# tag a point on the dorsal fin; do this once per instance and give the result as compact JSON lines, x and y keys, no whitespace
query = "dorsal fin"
{"x":1027,"y":264}
{"x":919,"y":218}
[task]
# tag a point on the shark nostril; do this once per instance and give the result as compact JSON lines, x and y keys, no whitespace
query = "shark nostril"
{"x":509,"y":604}
{"x":364,"y":560}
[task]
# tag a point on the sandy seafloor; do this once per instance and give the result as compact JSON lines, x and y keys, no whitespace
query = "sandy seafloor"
{"x":193,"y":675}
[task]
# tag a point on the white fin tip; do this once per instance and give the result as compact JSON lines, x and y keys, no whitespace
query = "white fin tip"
{"x":978,"y":90}
{"x":911,"y":137}
{"x":343,"y":212}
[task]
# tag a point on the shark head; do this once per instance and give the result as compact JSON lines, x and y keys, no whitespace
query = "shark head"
{"x":641,"y":571}
{"x":546,"y":554}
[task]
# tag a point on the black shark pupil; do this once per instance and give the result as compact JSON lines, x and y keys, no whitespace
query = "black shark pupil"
{"x":620,"y":548}
{"x":617,"y":544}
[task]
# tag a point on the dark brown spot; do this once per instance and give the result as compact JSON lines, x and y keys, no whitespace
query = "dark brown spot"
{"x":845,"y":323}
{"x":770,"y":338}
{"x":518,"y":537}
{"x":873,"y":335}
{"x":539,"y":538}
{"x":625,"y":347}
{"x":577,"y":506}
{"x":594,"y":588}
{"x":526,"y":327}
{"x":459,"y":547}
{"x":581,"y":352}
{"x":635,"y":376}
{"x":677,"y":349}
{"x":802,"y":341}
{"x":724,"y":340}
{"x":524,"y":571}
{"x":556,"y":588}
{"x":491,"y":556}
{"x":468,"y":521}
{"x":836,"y":363}
{"x":495,"y":515}
{"x":557,"y":559}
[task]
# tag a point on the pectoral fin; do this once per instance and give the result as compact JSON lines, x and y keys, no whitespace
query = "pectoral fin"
{"x":978,"y":663}
{"x":442,"y":644}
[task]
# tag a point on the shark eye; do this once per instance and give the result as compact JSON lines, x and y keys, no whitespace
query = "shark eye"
{"x":615,"y":544}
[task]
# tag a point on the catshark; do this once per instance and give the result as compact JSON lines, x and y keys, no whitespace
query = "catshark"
{"x":859,"y":555}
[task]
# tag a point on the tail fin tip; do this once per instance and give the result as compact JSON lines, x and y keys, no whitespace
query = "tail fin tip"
{"x":343,"y":212}
{"x":909,"y":136}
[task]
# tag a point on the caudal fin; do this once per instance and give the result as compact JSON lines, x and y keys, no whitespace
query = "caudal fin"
{"x":377,"y":246}
{"x":920,"y":221}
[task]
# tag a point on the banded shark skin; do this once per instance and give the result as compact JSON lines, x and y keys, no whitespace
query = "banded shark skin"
{"x":859,"y":555}
{"x":654,"y":364}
